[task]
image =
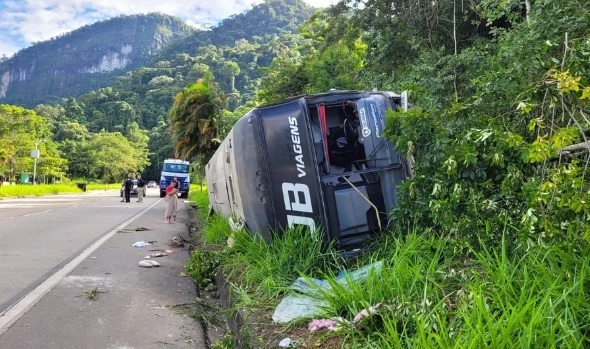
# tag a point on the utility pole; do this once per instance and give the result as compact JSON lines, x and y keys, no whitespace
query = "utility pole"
{"x":35,"y":155}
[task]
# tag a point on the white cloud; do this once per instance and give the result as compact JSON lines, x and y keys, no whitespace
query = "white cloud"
{"x":23,"y":22}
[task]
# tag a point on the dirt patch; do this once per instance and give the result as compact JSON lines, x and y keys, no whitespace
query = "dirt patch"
{"x":267,"y":334}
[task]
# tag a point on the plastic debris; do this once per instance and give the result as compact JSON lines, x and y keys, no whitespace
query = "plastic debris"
{"x":148,"y":263}
{"x":131,"y":230}
{"x":156,"y":254}
{"x":297,"y":306}
{"x":359,"y":275}
{"x":366,"y":312}
{"x":286,"y":343}
{"x":308,"y":302}
{"x":329,"y":324}
{"x":141,"y":244}
{"x":303,"y":285}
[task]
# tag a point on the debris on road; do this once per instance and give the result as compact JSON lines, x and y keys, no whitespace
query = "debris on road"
{"x":132,"y":230}
{"x":148,"y":263}
{"x":156,"y":254}
{"x":141,"y":244}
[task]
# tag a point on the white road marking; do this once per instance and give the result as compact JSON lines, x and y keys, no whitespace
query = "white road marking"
{"x":24,"y":205}
{"x":12,"y":314}
{"x":32,"y":214}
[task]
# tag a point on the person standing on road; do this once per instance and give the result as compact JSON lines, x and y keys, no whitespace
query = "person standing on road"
{"x":171,"y":201}
{"x":123,"y":190}
{"x":140,"y":188}
{"x":128,"y":184}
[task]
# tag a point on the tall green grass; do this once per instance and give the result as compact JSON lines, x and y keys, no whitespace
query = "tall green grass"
{"x":214,"y":229}
{"x":269,"y":268}
{"x":51,"y":189}
{"x":200,"y":199}
{"x":430,"y":294}
{"x":37,"y":190}
{"x":255,"y":267}
{"x":527,"y":299}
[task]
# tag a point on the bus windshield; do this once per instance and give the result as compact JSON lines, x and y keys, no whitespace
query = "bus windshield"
{"x":178,"y":168}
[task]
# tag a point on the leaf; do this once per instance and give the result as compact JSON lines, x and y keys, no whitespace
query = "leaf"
{"x":525,"y":108}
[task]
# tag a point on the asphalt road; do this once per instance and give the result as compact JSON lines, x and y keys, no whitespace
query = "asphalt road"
{"x":38,"y":235}
{"x":54,"y":249}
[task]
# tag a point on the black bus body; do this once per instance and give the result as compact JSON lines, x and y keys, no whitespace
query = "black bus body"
{"x":320,"y":161}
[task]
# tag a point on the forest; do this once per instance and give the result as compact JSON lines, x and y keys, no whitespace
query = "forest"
{"x":498,"y":131}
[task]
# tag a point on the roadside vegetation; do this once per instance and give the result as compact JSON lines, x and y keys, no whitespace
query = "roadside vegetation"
{"x":51,"y":189}
{"x":489,"y":243}
{"x":427,"y":294}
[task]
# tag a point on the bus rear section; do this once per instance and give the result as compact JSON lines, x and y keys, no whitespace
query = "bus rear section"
{"x":318,"y":161}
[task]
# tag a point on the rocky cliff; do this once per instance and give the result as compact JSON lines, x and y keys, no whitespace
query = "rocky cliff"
{"x":85,"y":59}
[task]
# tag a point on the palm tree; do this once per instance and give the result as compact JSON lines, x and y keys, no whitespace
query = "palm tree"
{"x":194,"y":117}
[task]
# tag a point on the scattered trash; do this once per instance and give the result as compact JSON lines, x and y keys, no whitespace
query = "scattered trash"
{"x":132,"y":230}
{"x":303,"y":285}
{"x":286,"y":343}
{"x":297,"y":306}
{"x":366,"y":312}
{"x":309,"y":302}
{"x":230,"y":241}
{"x":177,"y":242}
{"x":148,"y":263}
{"x":359,"y":275}
{"x":156,"y":254}
{"x":330,"y":324}
{"x":141,"y":244}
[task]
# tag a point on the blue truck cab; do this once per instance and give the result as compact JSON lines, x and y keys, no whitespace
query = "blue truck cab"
{"x":175,"y":168}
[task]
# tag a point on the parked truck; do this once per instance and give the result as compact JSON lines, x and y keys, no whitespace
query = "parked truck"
{"x":175,"y":168}
{"x":319,"y":161}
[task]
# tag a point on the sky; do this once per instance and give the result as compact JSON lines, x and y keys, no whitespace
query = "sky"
{"x":23,"y":22}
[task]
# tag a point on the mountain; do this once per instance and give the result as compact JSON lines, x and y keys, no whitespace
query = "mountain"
{"x":272,"y":17}
{"x":233,"y":52}
{"x":88,"y":58}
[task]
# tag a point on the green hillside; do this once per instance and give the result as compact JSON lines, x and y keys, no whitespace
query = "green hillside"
{"x":86,"y":59}
{"x":235,"y":52}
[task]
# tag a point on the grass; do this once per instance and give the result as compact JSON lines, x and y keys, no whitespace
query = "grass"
{"x":37,"y":190}
{"x":427,"y":295}
{"x":268,"y":268}
{"x":530,"y":299}
{"x":93,"y":294}
{"x":215,"y":230}
{"x":50,"y":189}
{"x":271,"y":268}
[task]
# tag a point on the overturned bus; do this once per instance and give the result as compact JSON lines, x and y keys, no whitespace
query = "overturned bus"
{"x":319,"y":161}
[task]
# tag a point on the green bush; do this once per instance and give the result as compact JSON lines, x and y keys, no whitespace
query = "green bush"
{"x":203,"y":266}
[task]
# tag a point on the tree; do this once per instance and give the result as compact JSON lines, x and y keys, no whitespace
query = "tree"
{"x":139,"y":139}
{"x":112,"y":157}
{"x":194,"y":117}
{"x":20,"y":129}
